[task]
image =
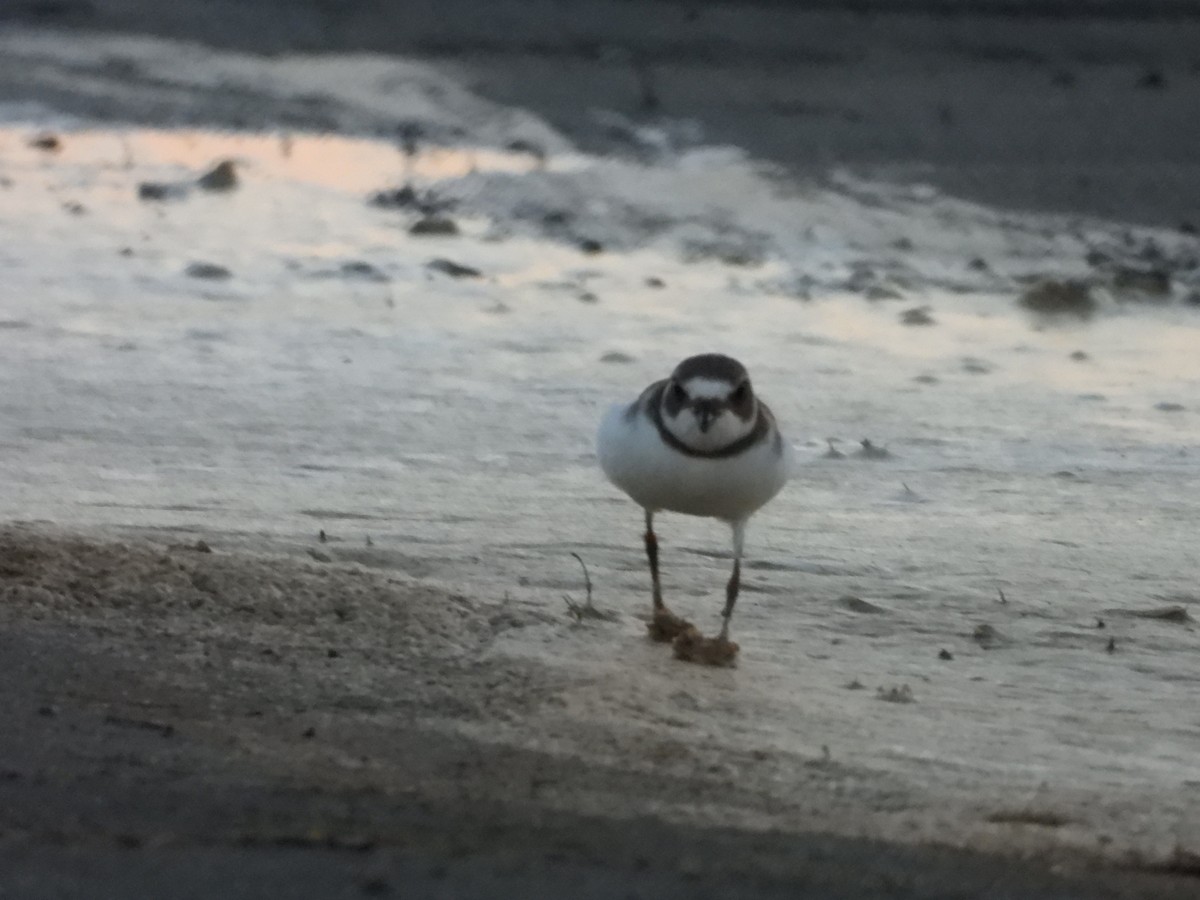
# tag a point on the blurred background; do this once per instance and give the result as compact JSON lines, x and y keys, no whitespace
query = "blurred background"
{"x":1069,"y":105}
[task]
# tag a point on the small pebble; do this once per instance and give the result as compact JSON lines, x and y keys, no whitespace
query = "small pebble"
{"x":208,"y":271}
{"x":47,"y":141}
{"x":918,"y":315}
{"x":222,"y":177}
{"x":453,"y":269}
{"x":433,"y":226}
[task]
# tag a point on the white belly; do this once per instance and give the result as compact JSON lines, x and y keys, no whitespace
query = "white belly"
{"x":635,"y":459}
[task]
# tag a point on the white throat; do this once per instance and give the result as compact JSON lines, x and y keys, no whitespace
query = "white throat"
{"x":724,"y":430}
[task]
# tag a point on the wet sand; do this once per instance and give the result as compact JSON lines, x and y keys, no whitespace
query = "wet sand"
{"x":372,"y":683}
{"x":167,"y":730}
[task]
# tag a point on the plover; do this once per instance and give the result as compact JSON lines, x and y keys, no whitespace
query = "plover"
{"x":701,"y":443}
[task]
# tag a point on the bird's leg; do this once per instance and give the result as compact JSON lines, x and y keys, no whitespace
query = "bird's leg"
{"x":652,"y":555}
{"x":664,"y":625}
{"x":691,"y":645}
{"x":735,"y":579}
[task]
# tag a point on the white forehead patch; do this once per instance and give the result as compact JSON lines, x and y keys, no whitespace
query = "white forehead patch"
{"x":708,"y":388}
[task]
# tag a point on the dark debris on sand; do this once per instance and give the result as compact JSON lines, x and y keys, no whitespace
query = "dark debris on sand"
{"x":434,"y":226}
{"x":1055,"y":297}
{"x":453,"y":269}
{"x":221,"y":177}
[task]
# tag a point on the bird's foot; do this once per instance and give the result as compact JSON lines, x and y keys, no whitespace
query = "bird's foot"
{"x":691,"y":646}
{"x":666,"y":626}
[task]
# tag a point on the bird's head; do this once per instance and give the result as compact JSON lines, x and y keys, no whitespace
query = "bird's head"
{"x":708,"y":402}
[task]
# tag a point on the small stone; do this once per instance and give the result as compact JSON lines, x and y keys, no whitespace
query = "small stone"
{"x":434,"y":226}
{"x":591,"y":247}
{"x":357,"y":268}
{"x":918,"y":315}
{"x":453,"y":269}
{"x":1150,"y":282}
{"x":654,"y":282}
{"x":222,"y":177}
{"x":1080,"y":356}
{"x":161,"y":190}
{"x":47,"y":142}
{"x":399,"y":198}
{"x":208,"y":271}
{"x":945,"y":654}
{"x":882,"y":292}
{"x":1052,"y":297}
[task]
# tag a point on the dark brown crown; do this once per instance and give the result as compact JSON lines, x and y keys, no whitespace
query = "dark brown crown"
{"x":710,"y":365}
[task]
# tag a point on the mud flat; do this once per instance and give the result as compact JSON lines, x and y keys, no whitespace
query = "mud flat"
{"x":170,"y":729}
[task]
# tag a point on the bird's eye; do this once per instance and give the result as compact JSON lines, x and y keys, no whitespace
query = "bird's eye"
{"x":740,"y":393}
{"x":678,"y":394}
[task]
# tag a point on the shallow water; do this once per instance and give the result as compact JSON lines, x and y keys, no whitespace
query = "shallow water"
{"x":335,"y":382}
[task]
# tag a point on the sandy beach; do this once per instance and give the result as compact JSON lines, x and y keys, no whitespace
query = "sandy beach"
{"x":298,"y":463}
